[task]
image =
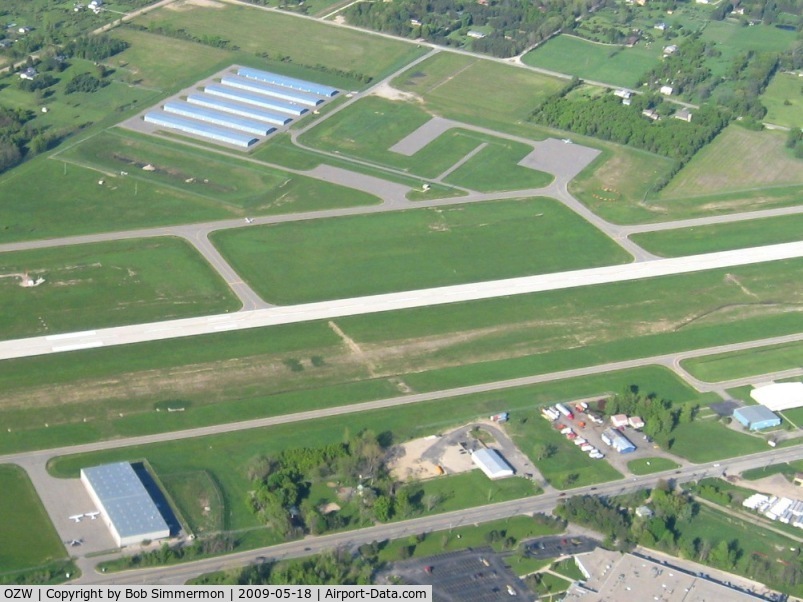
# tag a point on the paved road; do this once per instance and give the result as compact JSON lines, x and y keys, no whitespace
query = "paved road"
{"x":543,"y":503}
{"x":124,"y":335}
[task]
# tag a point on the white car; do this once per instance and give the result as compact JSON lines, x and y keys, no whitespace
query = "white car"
{"x":580,"y":441}
{"x":587,"y":447}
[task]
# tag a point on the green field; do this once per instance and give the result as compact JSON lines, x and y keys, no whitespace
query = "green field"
{"x":448,"y":83}
{"x":644,"y":466}
{"x":419,"y":248}
{"x":738,"y":159}
{"x":27,"y":537}
{"x":427,"y":349}
{"x":210,"y":177}
{"x":722,"y":237}
{"x":614,"y":65}
{"x":786,"y":469}
{"x":740,"y":364}
{"x":495,"y":168}
{"x":225,"y":457}
{"x":693,"y":442}
{"x":335,"y":48}
{"x":107,"y":284}
{"x":199,"y":500}
{"x":784,"y":100}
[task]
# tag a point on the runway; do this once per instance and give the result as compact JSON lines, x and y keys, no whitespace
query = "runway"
{"x":273,"y":316}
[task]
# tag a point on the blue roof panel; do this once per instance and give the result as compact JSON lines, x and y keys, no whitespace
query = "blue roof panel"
{"x":245,"y":83}
{"x":250,"y":126}
{"x":260,"y":100}
{"x":286,"y":82}
{"x":235,"y":108}
{"x":199,"y":128}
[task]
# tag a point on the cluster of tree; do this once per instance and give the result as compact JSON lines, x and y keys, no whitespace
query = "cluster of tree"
{"x":50,"y":574}
{"x":795,"y":141}
{"x":95,"y":48}
{"x":40,"y":82}
{"x":337,"y":567}
{"x":13,"y":136}
{"x":84,"y":82}
{"x":685,"y":69}
{"x":660,"y":415}
{"x":516,"y":24}
{"x":607,"y":118}
{"x":179,"y":33}
{"x":769,"y":12}
{"x":601,"y":515}
{"x":213,"y":545}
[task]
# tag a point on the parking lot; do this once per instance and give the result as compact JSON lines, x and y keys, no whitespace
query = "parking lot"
{"x":477,"y":575}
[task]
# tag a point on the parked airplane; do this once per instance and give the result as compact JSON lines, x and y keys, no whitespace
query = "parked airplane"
{"x":249,"y":220}
{"x":76,"y":517}
{"x":92,"y":515}
{"x":567,"y":141}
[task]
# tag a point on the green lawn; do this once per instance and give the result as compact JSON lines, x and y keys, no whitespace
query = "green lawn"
{"x":257,"y":31}
{"x":569,"y":569}
{"x":644,"y":466}
{"x":739,"y":364}
{"x":606,"y":63}
{"x":722,"y":237}
{"x":473,"y":488}
{"x":27,"y":537}
{"x":787,"y":469}
{"x":107,"y":284}
{"x":693,"y":442}
{"x":419,"y":248}
{"x":495,"y":168}
{"x":784,"y":100}
{"x":447,"y":84}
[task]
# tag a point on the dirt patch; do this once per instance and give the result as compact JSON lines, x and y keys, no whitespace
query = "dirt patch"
{"x":772,"y":485}
{"x":183,"y":5}
{"x":385,"y":90}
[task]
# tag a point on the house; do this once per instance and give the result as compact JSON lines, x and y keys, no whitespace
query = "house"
{"x":644,"y":512}
{"x":622,"y":93}
{"x":24,"y":30}
{"x":671,"y":49}
{"x":477,"y":35}
{"x":684,"y":114}
{"x":661,"y":26}
{"x":635,"y":422}
{"x":95,"y":4}
{"x":6,"y":43}
{"x":702,"y":1}
{"x":415,"y":22}
{"x":651,"y":114}
{"x":28,"y":73}
{"x":627,"y":101}
{"x":619,"y":420}
{"x":666,"y":90}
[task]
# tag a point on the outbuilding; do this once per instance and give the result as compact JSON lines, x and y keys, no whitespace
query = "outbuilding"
{"x":492,"y":464}
{"x":124,"y":503}
{"x":619,"y":420}
{"x":779,"y":396}
{"x":618,"y":441}
{"x":636,"y":422}
{"x":756,"y":418}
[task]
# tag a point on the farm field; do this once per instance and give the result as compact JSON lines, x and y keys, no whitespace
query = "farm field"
{"x":728,"y":366}
{"x":722,"y":237}
{"x":107,"y":284}
{"x":418,"y":248}
{"x":784,"y":88}
{"x":606,"y":63}
{"x":213,"y":178}
{"x":447,"y":84}
{"x":738,"y":159}
{"x":24,"y":520}
{"x":644,"y":466}
{"x":335,"y":48}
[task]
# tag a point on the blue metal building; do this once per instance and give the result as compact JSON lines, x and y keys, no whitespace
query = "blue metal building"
{"x":253,"y":85}
{"x":756,"y":418}
{"x":260,"y":100}
{"x":227,"y":120}
{"x":618,"y":441}
{"x":287,"y":82}
{"x":235,"y":108}
{"x":198,"y":128}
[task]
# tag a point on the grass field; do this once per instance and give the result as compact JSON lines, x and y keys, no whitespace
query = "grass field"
{"x":784,"y":100}
{"x":722,"y":237}
{"x":107,"y":284}
{"x":644,"y":466}
{"x":199,"y":500}
{"x":447,"y":84}
{"x":693,"y":442}
{"x":335,"y":48}
{"x":27,"y":537}
{"x":495,"y":168}
{"x":225,"y":457}
{"x":419,"y":248}
{"x":737,"y":159}
{"x":787,"y":469}
{"x":427,"y":349}
{"x":740,"y":364}
{"x":614,"y":65}
{"x":208,"y":176}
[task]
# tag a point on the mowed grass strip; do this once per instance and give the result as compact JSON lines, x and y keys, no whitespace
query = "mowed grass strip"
{"x":211,"y":177}
{"x":737,"y":159}
{"x":256,"y":31}
{"x":644,"y":466}
{"x":419,"y":248}
{"x":723,"y":237}
{"x":606,"y":63}
{"x":107,"y":284}
{"x":27,"y":537}
{"x":740,"y":364}
{"x":479,"y":91}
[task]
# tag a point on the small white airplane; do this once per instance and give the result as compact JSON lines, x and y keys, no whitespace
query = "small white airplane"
{"x":75,"y":542}
{"x":76,"y":517}
{"x":567,"y":141}
{"x":92,"y":515}
{"x":249,"y":220}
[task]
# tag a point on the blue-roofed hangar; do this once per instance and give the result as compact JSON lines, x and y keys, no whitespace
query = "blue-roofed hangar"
{"x":249,"y":126}
{"x":259,"y":100}
{"x":756,"y":418}
{"x":197,"y":128}
{"x":286,"y":82}
{"x":211,"y":102}
{"x":124,"y":503}
{"x":253,"y":85}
